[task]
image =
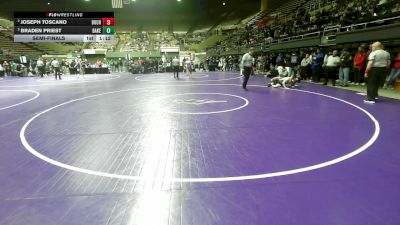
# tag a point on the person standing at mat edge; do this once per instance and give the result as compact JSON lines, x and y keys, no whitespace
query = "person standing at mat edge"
{"x":175,"y":66}
{"x":56,"y":67}
{"x":247,"y":62}
{"x":378,"y":65}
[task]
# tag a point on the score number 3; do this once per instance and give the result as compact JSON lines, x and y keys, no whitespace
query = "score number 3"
{"x":108,"y":21}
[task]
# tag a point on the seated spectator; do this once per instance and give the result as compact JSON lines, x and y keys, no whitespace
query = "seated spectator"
{"x":19,"y":70}
{"x":272,"y":73}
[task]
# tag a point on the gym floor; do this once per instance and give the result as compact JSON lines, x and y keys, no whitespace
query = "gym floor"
{"x":113,"y":149}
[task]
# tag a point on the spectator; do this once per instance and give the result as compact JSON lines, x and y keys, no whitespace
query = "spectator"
{"x":316,"y":64}
{"x":1,"y":70}
{"x":175,"y":66}
{"x":13,"y":67}
{"x":19,"y":70}
{"x":294,"y":64}
{"x":331,"y":68}
{"x":40,"y":67}
{"x":395,"y":70}
{"x":7,"y":68}
{"x":56,"y":67}
{"x":344,"y":70}
{"x":359,"y":65}
{"x":305,"y":67}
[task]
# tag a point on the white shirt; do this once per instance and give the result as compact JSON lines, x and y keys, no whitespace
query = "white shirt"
{"x":175,"y":62}
{"x":247,"y":60}
{"x":305,"y":62}
{"x":55,"y":63}
{"x":39,"y":63}
{"x":379,"y":57}
{"x":333,"y":61}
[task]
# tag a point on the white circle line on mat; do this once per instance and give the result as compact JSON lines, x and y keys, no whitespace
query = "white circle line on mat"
{"x":59,"y":83}
{"x":355,"y":152}
{"x":37,"y":94}
{"x":138,"y":78}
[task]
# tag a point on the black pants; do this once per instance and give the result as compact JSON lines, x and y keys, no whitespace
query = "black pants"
{"x":246,"y":73}
{"x":376,"y":77}
{"x":57,"y":72}
{"x":176,"y":70}
{"x":331,"y":73}
{"x":316,"y":73}
{"x":358,"y":75}
{"x":303,"y":72}
{"x":41,"y":70}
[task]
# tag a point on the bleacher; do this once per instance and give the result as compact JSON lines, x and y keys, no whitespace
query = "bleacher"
{"x":289,"y":8}
{"x":314,"y":5}
{"x":303,"y":19}
{"x":12,"y":48}
{"x":285,"y":9}
{"x":110,"y":46}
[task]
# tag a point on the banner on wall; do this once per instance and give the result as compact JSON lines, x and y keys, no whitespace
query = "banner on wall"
{"x":169,"y":49}
{"x":94,"y":51}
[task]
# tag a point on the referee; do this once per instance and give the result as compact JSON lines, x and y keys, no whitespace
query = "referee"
{"x":378,"y":65}
{"x":247,"y":62}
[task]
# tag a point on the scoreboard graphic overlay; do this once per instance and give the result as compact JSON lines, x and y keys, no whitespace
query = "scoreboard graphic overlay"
{"x":64,"y":26}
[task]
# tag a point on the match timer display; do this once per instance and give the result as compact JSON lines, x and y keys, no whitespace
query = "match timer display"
{"x":64,"y":26}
